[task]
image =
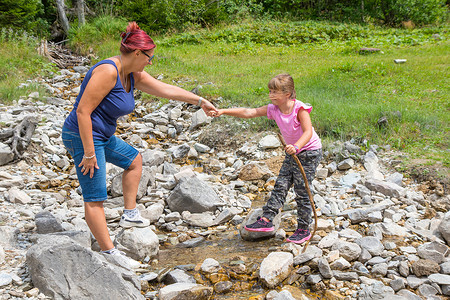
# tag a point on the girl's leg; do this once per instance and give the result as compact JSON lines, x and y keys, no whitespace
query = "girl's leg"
{"x":96,"y":220}
{"x":130,"y":182}
{"x":280,"y":190}
{"x":309,"y":160}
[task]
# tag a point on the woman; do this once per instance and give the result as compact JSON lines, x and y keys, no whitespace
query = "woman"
{"x":88,"y":132}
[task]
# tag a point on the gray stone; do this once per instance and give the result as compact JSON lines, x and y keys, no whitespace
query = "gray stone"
{"x":371,"y":244}
{"x":397,"y":284}
{"x":444,"y":228}
{"x":275,"y":268}
{"x":380,"y":269}
{"x":440,"y":278}
{"x":427,"y":290}
{"x":349,"y":251}
{"x":445,"y":268}
{"x":414,"y":282}
{"x":177,"y":276}
{"x":386,"y":188}
{"x":152,"y":157}
{"x":70,"y":282}
{"x":433,"y":251}
{"x":210,"y":265}
{"x":47,"y":223}
{"x":138,"y":243}
{"x":5,"y":279}
{"x":313,"y":279}
{"x":346,"y":164}
{"x":324,"y":268}
{"x":269,"y":142}
{"x":6,"y":154}
{"x":376,"y":290}
{"x":345,"y":276}
{"x":408,"y":295}
{"x":193,"y":195}
{"x":185,"y":291}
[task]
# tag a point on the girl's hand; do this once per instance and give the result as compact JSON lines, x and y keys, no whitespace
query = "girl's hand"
{"x":218,"y":113}
{"x":291,"y":149}
{"x":88,"y":165}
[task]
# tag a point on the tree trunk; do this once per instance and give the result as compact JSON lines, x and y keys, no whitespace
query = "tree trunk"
{"x":362,"y":11}
{"x":62,"y":16}
{"x":80,"y":11}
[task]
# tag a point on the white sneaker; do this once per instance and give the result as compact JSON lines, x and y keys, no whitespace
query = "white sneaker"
{"x":136,"y":221}
{"x":121,"y":258}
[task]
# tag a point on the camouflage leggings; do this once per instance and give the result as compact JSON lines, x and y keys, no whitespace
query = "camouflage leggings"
{"x":290,"y":174}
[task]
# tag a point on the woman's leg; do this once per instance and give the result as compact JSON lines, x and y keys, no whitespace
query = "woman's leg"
{"x":96,"y":220}
{"x":130,"y":182}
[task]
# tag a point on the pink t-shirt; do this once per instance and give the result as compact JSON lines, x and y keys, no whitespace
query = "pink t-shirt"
{"x":290,"y":127}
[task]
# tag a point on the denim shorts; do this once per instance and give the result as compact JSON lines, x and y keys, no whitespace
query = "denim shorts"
{"x":113,"y":150}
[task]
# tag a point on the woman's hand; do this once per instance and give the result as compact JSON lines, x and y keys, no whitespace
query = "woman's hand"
{"x":88,"y":165}
{"x":291,"y":149}
{"x":208,"y":108}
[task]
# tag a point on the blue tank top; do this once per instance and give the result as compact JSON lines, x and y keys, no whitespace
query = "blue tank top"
{"x":104,"y":117}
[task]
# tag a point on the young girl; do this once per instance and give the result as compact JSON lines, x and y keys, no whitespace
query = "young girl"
{"x":292,"y":117}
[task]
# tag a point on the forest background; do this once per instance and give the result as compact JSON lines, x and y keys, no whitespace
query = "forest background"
{"x":231,"y":48}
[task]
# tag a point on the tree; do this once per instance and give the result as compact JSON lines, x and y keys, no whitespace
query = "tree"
{"x":62,"y":16}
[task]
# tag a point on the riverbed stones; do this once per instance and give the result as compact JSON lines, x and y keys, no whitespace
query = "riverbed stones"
{"x":369,"y":201}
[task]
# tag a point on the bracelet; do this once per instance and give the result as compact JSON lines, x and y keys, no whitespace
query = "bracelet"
{"x":296,"y":148}
{"x":88,"y":157}
{"x":200,"y":101}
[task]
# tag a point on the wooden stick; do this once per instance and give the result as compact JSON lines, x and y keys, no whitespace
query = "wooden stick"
{"x":311,"y":200}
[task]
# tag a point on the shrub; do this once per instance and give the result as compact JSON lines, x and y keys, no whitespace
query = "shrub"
{"x":22,"y":14}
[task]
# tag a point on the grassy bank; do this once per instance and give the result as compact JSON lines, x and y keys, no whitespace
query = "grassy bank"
{"x":350,"y":91}
{"x":20,"y":63}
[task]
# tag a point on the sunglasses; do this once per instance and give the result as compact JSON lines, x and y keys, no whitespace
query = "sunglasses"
{"x":149,"y":57}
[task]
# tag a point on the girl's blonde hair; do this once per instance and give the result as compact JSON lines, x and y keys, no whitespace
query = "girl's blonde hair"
{"x":283,"y":83}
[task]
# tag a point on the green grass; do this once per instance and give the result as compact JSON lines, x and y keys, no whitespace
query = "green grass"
{"x":19,"y":62}
{"x":349,"y":91}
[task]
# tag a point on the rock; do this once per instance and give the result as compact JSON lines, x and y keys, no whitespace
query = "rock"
{"x":47,"y":223}
{"x":397,"y":284}
{"x":346,"y":164}
{"x":371,"y":244}
{"x":349,"y":251}
{"x":376,"y":290}
{"x":254,"y":171}
{"x":70,"y":282}
{"x":191,"y":291}
{"x":444,"y":228}
{"x":6,"y":154}
{"x":194,"y":195}
{"x":153,"y":212}
{"x":198,"y":119}
{"x":138,"y":243}
{"x":424,"y":267}
{"x":5,"y":279}
{"x":177,"y":276}
{"x":386,"y":188}
{"x":433,"y":251}
{"x":345,"y":276}
{"x":440,"y":278}
{"x":204,"y":220}
{"x":18,"y":196}
{"x":223,"y":287}
{"x":324,"y":268}
{"x":210,"y":265}
{"x":152,"y":157}
{"x":408,"y":295}
{"x":427,"y":290}
{"x":275,"y":268}
{"x":269,"y":142}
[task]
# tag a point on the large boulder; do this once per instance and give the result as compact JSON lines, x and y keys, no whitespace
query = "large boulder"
{"x":275,"y":268}
{"x":193,"y":195}
{"x":63,"y":269}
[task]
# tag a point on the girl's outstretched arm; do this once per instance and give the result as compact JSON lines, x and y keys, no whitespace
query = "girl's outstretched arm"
{"x":242,"y":112}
